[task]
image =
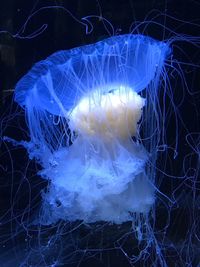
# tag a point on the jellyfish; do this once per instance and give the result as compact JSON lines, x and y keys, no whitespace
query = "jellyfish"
{"x":89,"y":111}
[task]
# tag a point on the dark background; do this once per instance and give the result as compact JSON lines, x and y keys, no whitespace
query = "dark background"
{"x":20,"y":187}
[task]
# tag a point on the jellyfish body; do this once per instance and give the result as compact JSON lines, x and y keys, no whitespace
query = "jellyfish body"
{"x":83,"y":108}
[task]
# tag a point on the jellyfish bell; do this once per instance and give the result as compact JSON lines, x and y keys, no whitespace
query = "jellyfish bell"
{"x":96,"y":171}
{"x":129,"y":60}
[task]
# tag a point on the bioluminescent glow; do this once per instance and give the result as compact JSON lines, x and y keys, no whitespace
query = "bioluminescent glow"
{"x":102,"y":169}
{"x":83,"y":108}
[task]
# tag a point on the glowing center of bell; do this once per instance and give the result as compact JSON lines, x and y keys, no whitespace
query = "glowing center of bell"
{"x":114,"y":113}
